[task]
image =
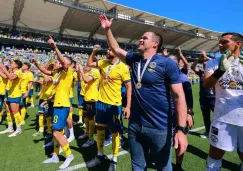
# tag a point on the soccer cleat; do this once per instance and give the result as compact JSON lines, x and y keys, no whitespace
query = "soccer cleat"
{"x":71,"y":138}
{"x":39,"y":133}
{"x":7,"y":131}
{"x":50,"y":144}
{"x":83,"y":136}
{"x":88,"y":143}
{"x":53,"y":159}
{"x":67,"y":162}
{"x":22,"y":123}
{"x":14,"y":134}
{"x":32,"y":106}
{"x":108,"y":141}
{"x":113,"y":166}
{"x":96,"y":161}
{"x":205,"y":135}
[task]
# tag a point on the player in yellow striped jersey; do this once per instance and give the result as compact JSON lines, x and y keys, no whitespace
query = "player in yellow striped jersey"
{"x":26,"y":84}
{"x":45,"y":93}
{"x":63,"y":81}
{"x":14,"y":97}
{"x":91,"y":79}
{"x":114,"y":74}
{"x":3,"y":84}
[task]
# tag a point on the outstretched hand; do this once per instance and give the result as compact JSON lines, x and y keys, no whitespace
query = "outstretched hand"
{"x":105,"y":23}
{"x":51,"y":42}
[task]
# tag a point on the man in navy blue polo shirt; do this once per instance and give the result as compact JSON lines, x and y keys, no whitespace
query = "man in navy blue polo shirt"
{"x":153,"y":78}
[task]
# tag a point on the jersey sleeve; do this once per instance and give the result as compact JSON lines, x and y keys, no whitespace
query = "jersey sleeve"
{"x":19,"y":74}
{"x":100,"y":63}
{"x":31,"y":76}
{"x":172,"y":72}
{"x":95,"y":74}
{"x":126,"y":77}
{"x":132,"y":57}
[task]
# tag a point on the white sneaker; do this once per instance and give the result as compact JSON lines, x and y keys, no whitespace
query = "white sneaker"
{"x":67,"y":162}
{"x":88,"y":143}
{"x":14,"y":134}
{"x":22,"y":123}
{"x":39,"y":133}
{"x":83,"y":136}
{"x":49,"y":144}
{"x":53,"y":159}
{"x":80,"y":122}
{"x":205,"y":135}
{"x":32,"y":106}
{"x":9,"y":131}
{"x":71,"y":138}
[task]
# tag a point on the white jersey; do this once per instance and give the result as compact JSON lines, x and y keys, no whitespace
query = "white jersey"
{"x":229,"y":93}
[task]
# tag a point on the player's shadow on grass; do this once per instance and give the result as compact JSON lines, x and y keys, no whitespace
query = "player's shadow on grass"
{"x":199,"y":153}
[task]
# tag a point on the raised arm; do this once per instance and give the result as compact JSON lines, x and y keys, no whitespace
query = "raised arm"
{"x":3,"y":75}
{"x":60,"y":58}
{"x":87,"y":79}
{"x":106,"y":24}
{"x":41,"y":68}
{"x":91,"y":59}
{"x":5,"y":72}
{"x":184,"y":60}
{"x":194,"y":65}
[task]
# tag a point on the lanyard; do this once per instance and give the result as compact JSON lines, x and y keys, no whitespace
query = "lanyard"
{"x":108,"y":69}
{"x":140,"y":75}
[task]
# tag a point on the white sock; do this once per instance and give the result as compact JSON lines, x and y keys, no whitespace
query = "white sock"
{"x":18,"y":128}
{"x":213,"y":164}
{"x":114,"y":159}
{"x":10,"y":127}
{"x":71,"y":132}
{"x":100,"y":154}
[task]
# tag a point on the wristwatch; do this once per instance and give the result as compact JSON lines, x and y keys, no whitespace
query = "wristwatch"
{"x":182,"y":129}
{"x":190,"y":112}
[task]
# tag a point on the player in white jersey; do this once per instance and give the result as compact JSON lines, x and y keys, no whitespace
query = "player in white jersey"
{"x":226,"y":74}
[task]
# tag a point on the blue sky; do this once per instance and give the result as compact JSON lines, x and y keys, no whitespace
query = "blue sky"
{"x":216,"y":15}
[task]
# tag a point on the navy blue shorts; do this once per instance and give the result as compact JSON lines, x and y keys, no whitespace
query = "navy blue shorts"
{"x":14,"y":100}
{"x":107,"y":114}
{"x":1,"y":101}
{"x":60,"y":116}
{"x":90,"y":108}
{"x":49,"y":110}
{"x":80,"y":101}
{"x":41,"y":109}
{"x":23,"y":101}
{"x":6,"y":95}
{"x":31,"y":92}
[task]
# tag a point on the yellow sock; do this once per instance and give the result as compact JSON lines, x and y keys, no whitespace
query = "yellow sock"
{"x":49,"y":125}
{"x":70,"y":115}
{"x":1,"y":115}
{"x":9,"y":119}
{"x":56,"y":147}
{"x":91,"y":129}
{"x":115,"y":143}
{"x":67,"y":150}
{"x":17,"y":118}
{"x":86,"y":121}
{"x":80,"y":113}
{"x":27,"y":100}
{"x":31,"y":100}
{"x":100,"y":139}
{"x":23,"y":113}
{"x":41,"y":123}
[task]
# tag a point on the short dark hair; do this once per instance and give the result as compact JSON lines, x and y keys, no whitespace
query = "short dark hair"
{"x":159,"y":38}
{"x":19,"y":63}
{"x":27,"y":64}
{"x":235,"y":36}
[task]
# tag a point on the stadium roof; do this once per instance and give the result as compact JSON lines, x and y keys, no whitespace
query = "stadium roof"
{"x":80,"y":18}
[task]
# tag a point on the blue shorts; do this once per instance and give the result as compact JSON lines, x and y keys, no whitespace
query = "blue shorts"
{"x":71,"y":100}
{"x":108,"y":115}
{"x":6,"y":95}
{"x":90,"y":108}
{"x":80,"y":101}
{"x":41,"y":109}
{"x":49,"y":110}
{"x":31,"y":92}
{"x":1,"y":101}
{"x":23,"y":101}
{"x":14,"y":100}
{"x":60,"y":116}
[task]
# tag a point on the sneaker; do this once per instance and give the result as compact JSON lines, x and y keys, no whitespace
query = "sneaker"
{"x":83,"y":136}
{"x":39,"y":133}
{"x":32,"y":106}
{"x":53,"y":159}
{"x":88,"y":143}
{"x":50,"y":144}
{"x":96,"y":161}
{"x":7,"y":131}
{"x":121,"y":142}
{"x":71,"y":138}
{"x":108,"y":141}
{"x":113,"y":166}
{"x":22,"y":123}
{"x":14,"y":134}
{"x":67,"y":162}
{"x":205,"y":135}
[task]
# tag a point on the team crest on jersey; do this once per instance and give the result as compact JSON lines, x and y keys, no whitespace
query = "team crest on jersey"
{"x":152,"y":65}
{"x":232,"y":85}
{"x":214,"y":138}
